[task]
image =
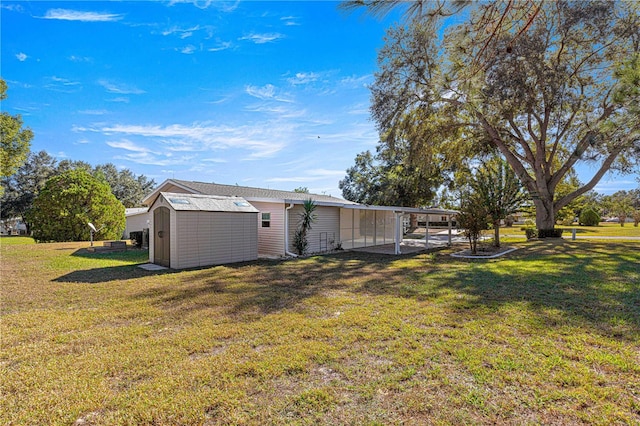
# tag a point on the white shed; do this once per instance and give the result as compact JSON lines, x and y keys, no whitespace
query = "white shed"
{"x":188,"y":230}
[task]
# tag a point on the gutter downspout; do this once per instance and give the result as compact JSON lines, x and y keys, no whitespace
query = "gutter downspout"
{"x":286,"y":231}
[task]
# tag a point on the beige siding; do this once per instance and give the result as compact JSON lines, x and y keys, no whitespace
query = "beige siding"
{"x":271,"y":239}
{"x":175,"y":189}
{"x":213,"y":238}
{"x":324,"y":233}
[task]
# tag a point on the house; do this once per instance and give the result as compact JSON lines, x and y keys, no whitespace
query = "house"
{"x":339,"y":224}
{"x":202,"y":230}
{"x":137,"y":219}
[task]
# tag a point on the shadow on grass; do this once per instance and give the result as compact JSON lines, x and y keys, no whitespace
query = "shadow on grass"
{"x":593,"y":284}
{"x":110,"y":273}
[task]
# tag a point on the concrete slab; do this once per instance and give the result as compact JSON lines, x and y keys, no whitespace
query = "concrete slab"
{"x":152,"y":267}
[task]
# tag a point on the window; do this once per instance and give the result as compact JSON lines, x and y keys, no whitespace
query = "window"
{"x":242,"y":204}
{"x":266,"y":220}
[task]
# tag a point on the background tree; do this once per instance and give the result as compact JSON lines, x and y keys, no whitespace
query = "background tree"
{"x":620,"y":204}
{"x":21,"y":188}
{"x":472,"y":217}
{"x":14,"y":140}
{"x":564,"y":91}
{"x":499,"y":189}
{"x":68,"y":202}
{"x":391,"y":178}
{"x":126,"y":186}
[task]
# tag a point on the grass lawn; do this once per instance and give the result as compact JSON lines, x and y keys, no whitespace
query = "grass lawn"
{"x":548,"y":335}
{"x":603,"y":230}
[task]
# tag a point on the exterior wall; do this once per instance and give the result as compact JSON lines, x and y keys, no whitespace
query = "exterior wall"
{"x":213,"y":238}
{"x":175,"y":189}
{"x":326,"y":227}
{"x":136,"y":222}
{"x":271,"y":239}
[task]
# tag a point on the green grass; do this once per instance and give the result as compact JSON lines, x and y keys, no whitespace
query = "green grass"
{"x":548,"y":335}
{"x":603,"y":230}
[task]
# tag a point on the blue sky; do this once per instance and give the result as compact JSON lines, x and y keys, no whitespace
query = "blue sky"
{"x":256,"y":93}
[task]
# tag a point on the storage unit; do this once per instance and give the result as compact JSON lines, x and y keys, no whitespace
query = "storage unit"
{"x":188,"y":230}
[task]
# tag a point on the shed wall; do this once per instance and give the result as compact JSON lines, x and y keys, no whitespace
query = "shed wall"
{"x":213,"y":238}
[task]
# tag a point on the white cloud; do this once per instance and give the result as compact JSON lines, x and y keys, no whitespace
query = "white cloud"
{"x":74,"y":58}
{"x":260,"y":139}
{"x":267,"y":92}
{"x":120,"y":88}
{"x":93,"y":112}
{"x":355,"y":82}
{"x":77,"y":15}
{"x":120,"y":99}
{"x":262,"y":38}
{"x":188,"y":50}
{"x":221,"y":46}
{"x":127,"y":145}
{"x":290,"y":20}
{"x":21,"y":57}
{"x":304,"y":78}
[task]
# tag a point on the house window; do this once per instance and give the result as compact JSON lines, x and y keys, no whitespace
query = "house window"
{"x":266,"y":220}
{"x":443,"y":219}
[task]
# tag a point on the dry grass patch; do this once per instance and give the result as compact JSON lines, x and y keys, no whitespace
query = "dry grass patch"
{"x":548,"y":334}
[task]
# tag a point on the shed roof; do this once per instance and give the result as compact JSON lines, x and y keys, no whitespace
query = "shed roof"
{"x":207,"y":203}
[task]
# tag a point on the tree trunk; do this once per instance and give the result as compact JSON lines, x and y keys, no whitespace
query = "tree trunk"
{"x":545,"y":216}
{"x":496,"y":230}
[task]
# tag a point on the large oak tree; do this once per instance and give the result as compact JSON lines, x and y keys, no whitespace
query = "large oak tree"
{"x":559,"y":90}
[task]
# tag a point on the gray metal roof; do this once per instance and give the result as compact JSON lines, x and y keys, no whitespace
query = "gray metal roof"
{"x":208,"y":203}
{"x":256,"y":193}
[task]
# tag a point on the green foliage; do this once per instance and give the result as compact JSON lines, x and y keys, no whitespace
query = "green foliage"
{"x":473,"y":218}
{"x":589,"y":217}
{"x":530,"y":232}
{"x":500,"y":191}
{"x":15,"y":140}
{"x":547,"y":98}
{"x":550,"y":233}
{"x":301,"y":190}
{"x":306,"y":219}
{"x":21,"y":188}
{"x":68,"y":202}
{"x":392,"y":177}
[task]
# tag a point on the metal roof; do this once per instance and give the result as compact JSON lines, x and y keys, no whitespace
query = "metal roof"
{"x":246,"y":192}
{"x":207,"y":203}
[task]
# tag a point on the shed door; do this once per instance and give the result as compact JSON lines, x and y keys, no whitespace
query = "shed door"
{"x":161,"y":239}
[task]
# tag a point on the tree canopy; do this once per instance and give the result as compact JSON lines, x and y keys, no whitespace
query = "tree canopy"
{"x":391,"y":178}
{"x":21,"y":188}
{"x":14,"y":139}
{"x":68,"y":202}
{"x":558,"y":91}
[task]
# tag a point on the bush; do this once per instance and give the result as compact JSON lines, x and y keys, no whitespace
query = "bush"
{"x":550,"y":233}
{"x":530,"y":232}
{"x":589,"y":217}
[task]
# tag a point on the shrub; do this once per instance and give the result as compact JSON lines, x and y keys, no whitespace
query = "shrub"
{"x":636,"y":218}
{"x":530,"y":232}
{"x":589,"y":217}
{"x":550,"y":233}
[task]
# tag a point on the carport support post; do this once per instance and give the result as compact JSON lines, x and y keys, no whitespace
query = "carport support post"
{"x":398,"y":233}
{"x":449,"y":223}
{"x":426,"y":232}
